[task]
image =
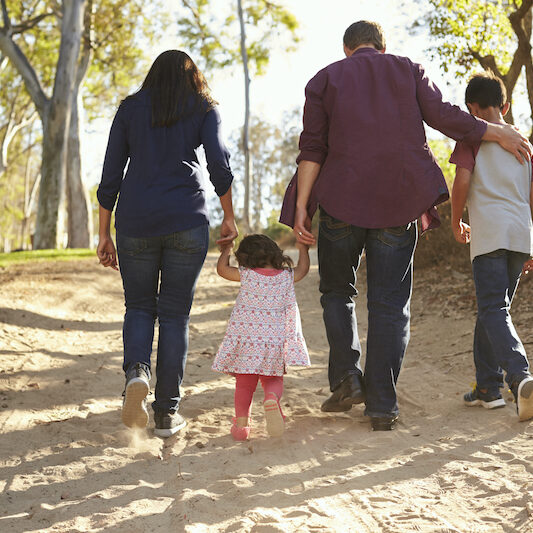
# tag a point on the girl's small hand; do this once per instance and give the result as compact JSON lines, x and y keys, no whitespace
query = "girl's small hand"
{"x":225,"y":247}
{"x":302,"y":247}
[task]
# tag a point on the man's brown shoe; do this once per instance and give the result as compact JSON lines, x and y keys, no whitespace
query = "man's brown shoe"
{"x":348,"y":393}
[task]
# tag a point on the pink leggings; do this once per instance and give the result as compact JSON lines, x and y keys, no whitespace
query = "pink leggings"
{"x":245,"y":386}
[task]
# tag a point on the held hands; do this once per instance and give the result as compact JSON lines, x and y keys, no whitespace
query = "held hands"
{"x":302,"y":227}
{"x":106,"y":252}
{"x":225,"y":247}
{"x":302,"y":248}
{"x":461,"y":232}
{"x":228,"y":233}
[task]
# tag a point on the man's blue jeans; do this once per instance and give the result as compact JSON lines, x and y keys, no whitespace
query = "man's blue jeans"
{"x":159,"y":276}
{"x":496,"y":343}
{"x":389,"y":260}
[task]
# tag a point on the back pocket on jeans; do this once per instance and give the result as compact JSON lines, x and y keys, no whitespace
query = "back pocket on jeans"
{"x":131,"y":245}
{"x":398,"y":236}
{"x":192,"y":241}
{"x":333,"y":229}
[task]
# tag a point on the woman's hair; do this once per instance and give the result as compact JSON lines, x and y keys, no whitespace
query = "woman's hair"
{"x":177,"y":88}
{"x":257,"y":251}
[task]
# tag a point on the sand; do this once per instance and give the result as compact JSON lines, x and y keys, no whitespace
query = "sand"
{"x":67,"y":464}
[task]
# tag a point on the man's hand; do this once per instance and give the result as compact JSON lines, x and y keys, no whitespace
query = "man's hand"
{"x":106,"y":252}
{"x":228,"y":232}
{"x":461,"y":232}
{"x":515,"y":143}
{"x":302,"y":227}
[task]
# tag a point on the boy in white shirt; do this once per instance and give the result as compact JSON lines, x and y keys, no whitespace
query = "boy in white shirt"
{"x":497,"y":191}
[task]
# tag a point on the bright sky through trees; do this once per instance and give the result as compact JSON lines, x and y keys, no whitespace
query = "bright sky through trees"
{"x":322,"y":25}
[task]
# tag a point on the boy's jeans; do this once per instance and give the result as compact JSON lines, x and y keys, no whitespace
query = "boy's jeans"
{"x":389,"y":260}
{"x":496,"y":343}
{"x":179,"y":258}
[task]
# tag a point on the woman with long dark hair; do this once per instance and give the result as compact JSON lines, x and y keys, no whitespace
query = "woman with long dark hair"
{"x":161,"y":224}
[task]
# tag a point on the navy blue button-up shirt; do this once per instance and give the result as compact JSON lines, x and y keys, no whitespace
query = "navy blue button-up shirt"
{"x":162,"y":190}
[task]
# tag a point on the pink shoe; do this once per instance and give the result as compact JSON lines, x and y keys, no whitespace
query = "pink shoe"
{"x":240,"y":433}
{"x":275,"y":421}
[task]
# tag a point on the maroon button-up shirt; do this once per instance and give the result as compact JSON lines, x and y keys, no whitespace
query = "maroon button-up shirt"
{"x":363,"y":122}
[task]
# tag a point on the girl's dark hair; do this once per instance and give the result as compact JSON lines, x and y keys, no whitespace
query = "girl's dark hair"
{"x":177,"y":88}
{"x":257,"y":251}
{"x":486,"y":90}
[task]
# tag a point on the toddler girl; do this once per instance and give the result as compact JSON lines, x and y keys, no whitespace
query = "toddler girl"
{"x":264,"y":333}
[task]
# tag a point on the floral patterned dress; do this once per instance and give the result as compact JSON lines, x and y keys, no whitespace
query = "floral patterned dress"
{"x":264,"y":333}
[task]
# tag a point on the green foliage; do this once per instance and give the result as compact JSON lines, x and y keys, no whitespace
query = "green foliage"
{"x":275,"y":230}
{"x":45,"y":255}
{"x":464,"y":28}
{"x":273,"y":149}
{"x":121,"y":29}
{"x":119,"y":32}
{"x":442,"y":149}
{"x":210,"y":30}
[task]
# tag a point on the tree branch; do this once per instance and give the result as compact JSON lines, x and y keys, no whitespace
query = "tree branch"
{"x":11,"y":131}
{"x":10,"y":49}
{"x":30,"y":23}
{"x":487,"y":62}
{"x":5,"y":17}
{"x":86,"y":45}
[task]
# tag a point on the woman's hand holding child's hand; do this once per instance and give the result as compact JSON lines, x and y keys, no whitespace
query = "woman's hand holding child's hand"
{"x":461,"y":232}
{"x":225,"y":247}
{"x":228,"y":232}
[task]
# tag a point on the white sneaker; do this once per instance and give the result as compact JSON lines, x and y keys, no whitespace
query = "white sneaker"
{"x":524,"y":399}
{"x":134,"y":410}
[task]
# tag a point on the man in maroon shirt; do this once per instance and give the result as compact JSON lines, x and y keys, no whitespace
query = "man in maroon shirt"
{"x":364,"y":144}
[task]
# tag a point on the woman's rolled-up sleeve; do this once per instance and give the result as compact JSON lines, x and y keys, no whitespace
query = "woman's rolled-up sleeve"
{"x":216,"y":154}
{"x":116,"y":157}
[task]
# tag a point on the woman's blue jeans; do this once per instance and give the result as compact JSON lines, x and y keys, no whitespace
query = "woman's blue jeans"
{"x":496,"y":342}
{"x":159,"y":276}
{"x":389,"y":262}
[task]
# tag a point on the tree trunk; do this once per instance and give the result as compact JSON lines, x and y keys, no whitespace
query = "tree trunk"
{"x":80,"y":220}
{"x":246,"y":127}
{"x":55,"y":128}
{"x":80,"y":227}
{"x":521,"y":21}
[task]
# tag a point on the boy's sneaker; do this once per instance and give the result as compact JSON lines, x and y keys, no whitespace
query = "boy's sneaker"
{"x":167,"y":423}
{"x":523,"y":394}
{"x":487,"y":400}
{"x":134,"y":411}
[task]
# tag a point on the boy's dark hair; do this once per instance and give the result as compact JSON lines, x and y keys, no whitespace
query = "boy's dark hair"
{"x":486,"y":90}
{"x":364,"y":32}
{"x":257,"y":251}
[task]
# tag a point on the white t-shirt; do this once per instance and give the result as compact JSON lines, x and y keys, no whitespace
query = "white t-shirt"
{"x":498,"y":200}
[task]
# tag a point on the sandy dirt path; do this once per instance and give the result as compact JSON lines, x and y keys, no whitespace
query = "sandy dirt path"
{"x":68,"y":465}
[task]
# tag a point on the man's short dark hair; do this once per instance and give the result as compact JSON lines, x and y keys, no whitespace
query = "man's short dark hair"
{"x":486,"y":90}
{"x":364,"y":32}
